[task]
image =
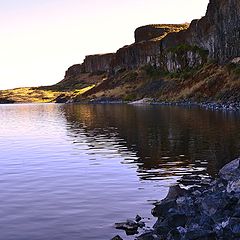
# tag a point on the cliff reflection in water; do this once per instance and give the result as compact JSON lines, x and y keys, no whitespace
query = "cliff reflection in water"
{"x":167,"y":141}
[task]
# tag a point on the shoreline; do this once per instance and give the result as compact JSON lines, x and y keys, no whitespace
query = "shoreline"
{"x":222,"y":106}
{"x":209,"y":105}
{"x":209,"y":212}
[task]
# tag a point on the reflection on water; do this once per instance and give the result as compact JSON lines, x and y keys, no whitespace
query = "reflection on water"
{"x":71,"y":171}
{"x":166,"y":140}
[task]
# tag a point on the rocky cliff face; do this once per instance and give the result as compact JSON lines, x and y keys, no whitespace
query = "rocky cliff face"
{"x":136,"y":55}
{"x":175,"y":47}
{"x":98,"y":63}
{"x":218,"y":31}
{"x":74,"y":71}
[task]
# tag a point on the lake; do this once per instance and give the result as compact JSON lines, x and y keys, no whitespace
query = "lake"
{"x":72,"y":171}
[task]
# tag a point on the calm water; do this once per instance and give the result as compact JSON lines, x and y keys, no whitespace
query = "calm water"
{"x":71,"y":171}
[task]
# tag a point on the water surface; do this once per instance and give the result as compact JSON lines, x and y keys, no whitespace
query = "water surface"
{"x":71,"y":171}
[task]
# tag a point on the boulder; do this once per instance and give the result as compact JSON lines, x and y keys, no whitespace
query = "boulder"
{"x":231,"y":171}
{"x":209,"y":212}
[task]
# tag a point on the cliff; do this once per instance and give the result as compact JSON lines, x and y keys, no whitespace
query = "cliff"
{"x":98,"y":63}
{"x":174,"y":47}
{"x":219,"y":31}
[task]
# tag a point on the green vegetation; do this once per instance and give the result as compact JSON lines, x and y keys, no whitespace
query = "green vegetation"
{"x":153,"y":72}
{"x":183,"y":48}
{"x":130,"y":97}
{"x":183,"y":74}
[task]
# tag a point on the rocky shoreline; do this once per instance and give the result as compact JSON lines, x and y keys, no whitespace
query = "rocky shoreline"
{"x":222,"y":106}
{"x":209,"y":212}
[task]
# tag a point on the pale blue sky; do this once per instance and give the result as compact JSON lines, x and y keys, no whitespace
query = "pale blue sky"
{"x":41,"y":39}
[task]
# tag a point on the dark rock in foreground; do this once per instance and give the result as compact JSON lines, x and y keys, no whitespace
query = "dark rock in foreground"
{"x":131,"y":226}
{"x":117,"y":238}
{"x":210,"y":212}
{"x":6,"y":101}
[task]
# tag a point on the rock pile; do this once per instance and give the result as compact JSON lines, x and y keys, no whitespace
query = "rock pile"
{"x":131,"y":226}
{"x":209,"y":212}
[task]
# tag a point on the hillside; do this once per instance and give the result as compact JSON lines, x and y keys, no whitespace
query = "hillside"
{"x":199,"y":61}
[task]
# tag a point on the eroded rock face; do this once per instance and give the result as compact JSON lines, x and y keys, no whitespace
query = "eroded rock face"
{"x":98,"y":63}
{"x":74,"y":71}
{"x":137,"y":55}
{"x":219,"y":30}
{"x":216,"y":35}
{"x":178,"y":61}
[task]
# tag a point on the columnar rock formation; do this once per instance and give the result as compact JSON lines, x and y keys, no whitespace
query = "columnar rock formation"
{"x":98,"y":63}
{"x":219,"y":30}
{"x":176,"y":47}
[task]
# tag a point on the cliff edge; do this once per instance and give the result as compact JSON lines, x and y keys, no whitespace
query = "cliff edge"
{"x":173,"y":47}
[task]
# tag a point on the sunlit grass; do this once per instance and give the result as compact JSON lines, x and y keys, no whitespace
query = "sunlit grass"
{"x":83,"y":90}
{"x":35,"y":95}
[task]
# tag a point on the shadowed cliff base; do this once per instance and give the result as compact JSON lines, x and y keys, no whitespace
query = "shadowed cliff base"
{"x":210,"y":82}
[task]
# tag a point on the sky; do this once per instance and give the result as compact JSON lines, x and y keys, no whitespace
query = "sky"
{"x":39,"y":40}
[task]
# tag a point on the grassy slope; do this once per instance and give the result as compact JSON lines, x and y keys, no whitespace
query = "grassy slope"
{"x":209,"y":83}
{"x":66,"y":89}
{"x":27,"y":95}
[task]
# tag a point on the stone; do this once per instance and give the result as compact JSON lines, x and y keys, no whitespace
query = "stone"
{"x":236,"y":60}
{"x":230,"y":171}
{"x":174,"y":235}
{"x":213,"y":202}
{"x":162,"y":208}
{"x":162,"y":230}
{"x":186,"y":205}
{"x":200,"y":234}
{"x":147,"y":236}
{"x":138,"y":218}
{"x":128,"y":225}
{"x":234,"y":186}
{"x":117,"y":238}
{"x":236,"y":213}
{"x":234,"y":226}
{"x":176,"y":220}
{"x":141,"y":224}
{"x":236,"y":229}
{"x":175,"y":192}
{"x":211,"y":213}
